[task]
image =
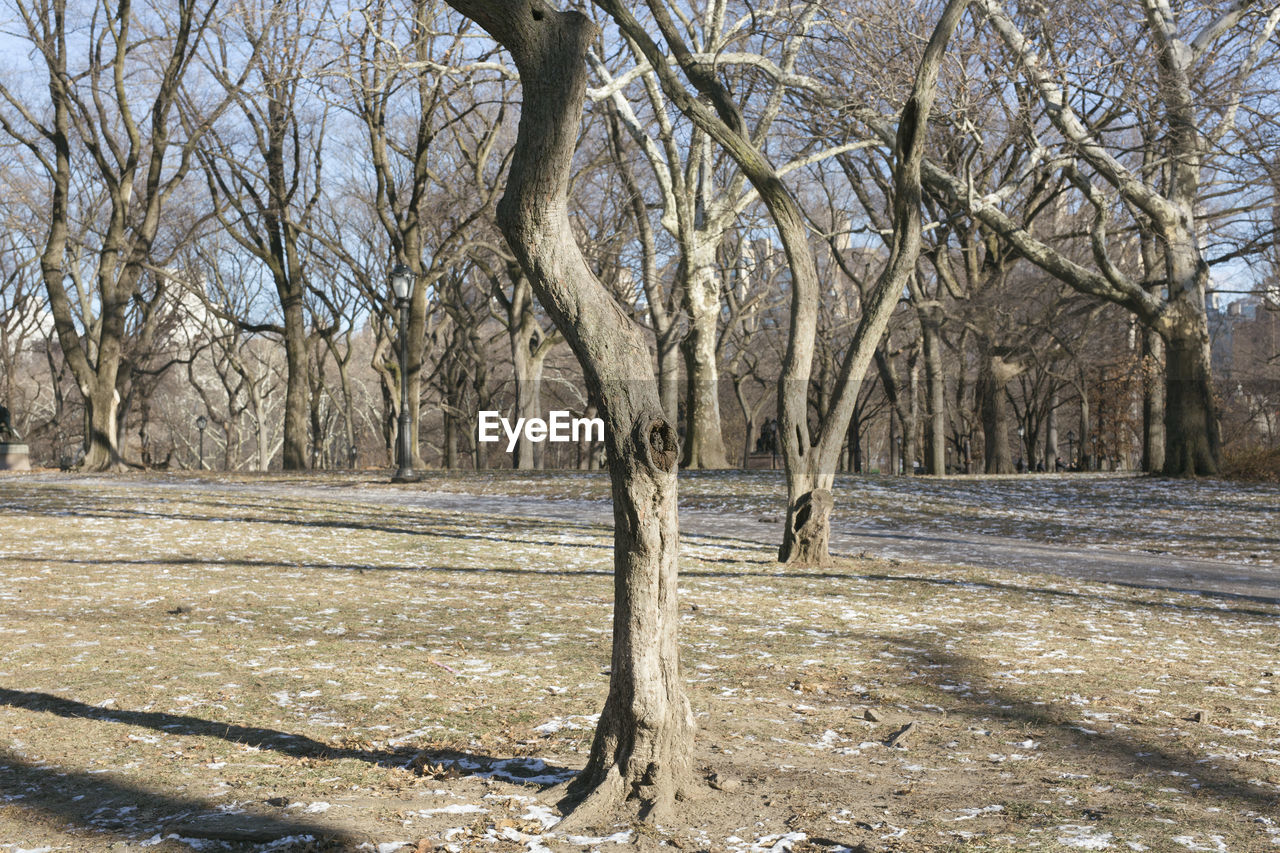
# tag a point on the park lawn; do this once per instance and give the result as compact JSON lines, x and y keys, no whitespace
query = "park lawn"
{"x":329,"y":665}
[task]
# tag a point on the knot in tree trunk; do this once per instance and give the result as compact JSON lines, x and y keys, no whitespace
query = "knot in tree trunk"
{"x":658,"y":442}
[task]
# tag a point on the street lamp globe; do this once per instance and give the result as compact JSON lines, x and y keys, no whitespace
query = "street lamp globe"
{"x":401,"y":281}
{"x":202,"y":422}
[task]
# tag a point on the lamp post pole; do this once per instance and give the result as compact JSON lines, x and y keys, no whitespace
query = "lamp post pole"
{"x":1071,"y":452}
{"x":401,"y":286}
{"x":201,"y":423}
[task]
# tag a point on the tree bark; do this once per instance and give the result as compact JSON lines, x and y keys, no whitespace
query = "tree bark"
{"x":640,"y":758}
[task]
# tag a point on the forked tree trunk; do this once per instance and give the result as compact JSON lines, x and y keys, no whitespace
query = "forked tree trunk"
{"x":810,"y":464}
{"x":640,"y":758}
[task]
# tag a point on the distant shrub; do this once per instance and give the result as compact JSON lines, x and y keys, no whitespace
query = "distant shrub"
{"x":1257,"y":464}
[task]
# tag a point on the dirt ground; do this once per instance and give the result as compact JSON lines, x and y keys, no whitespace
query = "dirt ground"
{"x":246,"y":664}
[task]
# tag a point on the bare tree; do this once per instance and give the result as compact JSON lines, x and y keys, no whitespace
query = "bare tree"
{"x":102,"y":120}
{"x":264,"y":170}
{"x":1200,"y":92}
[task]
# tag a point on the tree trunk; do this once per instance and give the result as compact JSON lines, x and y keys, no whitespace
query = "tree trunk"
{"x":1193,"y":445}
{"x":704,"y":437}
{"x":894,"y":461}
{"x":935,"y":461}
{"x":669,"y":358}
{"x":855,"y":445}
{"x":1153,"y":411}
{"x":102,"y":442}
{"x":296,"y":398}
{"x":993,"y":404}
{"x":450,"y":442}
{"x":1051,"y":453}
{"x":1082,"y":453}
{"x":640,"y":758}
{"x":529,"y":367}
{"x":808,"y":531}
{"x":529,"y":356}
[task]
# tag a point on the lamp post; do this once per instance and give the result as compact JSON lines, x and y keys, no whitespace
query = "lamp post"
{"x":401,"y":287}
{"x":201,"y":423}
{"x":1071,"y":453}
{"x":1022,"y":448}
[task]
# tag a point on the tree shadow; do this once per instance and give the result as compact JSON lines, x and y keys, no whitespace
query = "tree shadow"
{"x":519,"y":769}
{"x":105,"y":805}
{"x":298,"y":746}
{"x":1129,"y":752}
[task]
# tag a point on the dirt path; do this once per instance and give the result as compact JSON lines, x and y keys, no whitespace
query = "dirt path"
{"x":1219,"y":578}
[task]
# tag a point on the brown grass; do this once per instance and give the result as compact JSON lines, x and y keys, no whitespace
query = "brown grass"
{"x":172,"y":649}
{"x":1252,"y":464}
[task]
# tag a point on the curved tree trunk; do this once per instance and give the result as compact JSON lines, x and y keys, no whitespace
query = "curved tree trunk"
{"x":640,"y":758}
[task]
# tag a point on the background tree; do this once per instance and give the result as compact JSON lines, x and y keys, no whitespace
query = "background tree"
{"x":105,"y":123}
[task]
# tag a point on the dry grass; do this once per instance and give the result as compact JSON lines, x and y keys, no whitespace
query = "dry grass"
{"x":173,"y":648}
{"x":1252,"y":464}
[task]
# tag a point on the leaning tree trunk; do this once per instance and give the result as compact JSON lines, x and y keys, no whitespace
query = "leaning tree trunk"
{"x":640,"y":758}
